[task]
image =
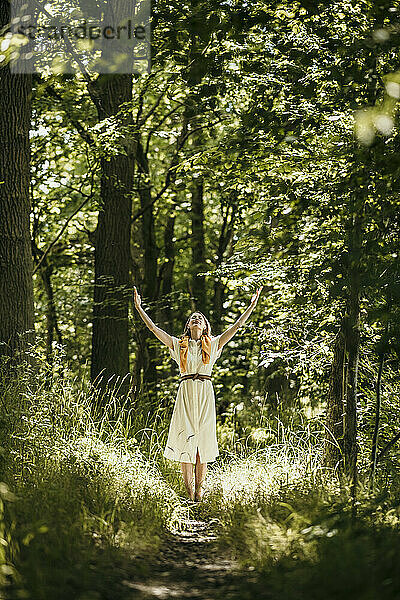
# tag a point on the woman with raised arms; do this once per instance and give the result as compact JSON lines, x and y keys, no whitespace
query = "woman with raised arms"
{"x":192,"y":438}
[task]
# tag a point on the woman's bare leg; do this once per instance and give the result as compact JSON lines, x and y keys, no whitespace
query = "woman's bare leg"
{"x":200,"y":471}
{"x":187,"y":472}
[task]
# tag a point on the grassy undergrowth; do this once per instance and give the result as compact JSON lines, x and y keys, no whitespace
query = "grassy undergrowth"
{"x":86,"y":497}
{"x":284,"y":517}
{"x":83,"y":506}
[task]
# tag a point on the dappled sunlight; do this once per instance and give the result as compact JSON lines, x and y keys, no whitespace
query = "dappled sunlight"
{"x":294,"y":461}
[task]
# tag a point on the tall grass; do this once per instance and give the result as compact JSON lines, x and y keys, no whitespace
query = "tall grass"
{"x":83,"y":495}
{"x":86,"y":497}
{"x":285,"y":517}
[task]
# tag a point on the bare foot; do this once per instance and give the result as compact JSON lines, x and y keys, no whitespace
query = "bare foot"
{"x":198,"y":495}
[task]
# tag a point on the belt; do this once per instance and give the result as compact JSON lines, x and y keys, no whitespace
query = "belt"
{"x":195,"y":376}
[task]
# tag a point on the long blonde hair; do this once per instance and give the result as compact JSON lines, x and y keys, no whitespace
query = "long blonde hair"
{"x":186,"y":330}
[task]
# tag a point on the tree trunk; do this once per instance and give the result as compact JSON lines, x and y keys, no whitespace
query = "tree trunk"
{"x":193,"y":118}
{"x":352,"y":344}
{"x":51,"y":314}
{"x":110,"y":336}
{"x":16,"y":284}
{"x":45,"y":272}
{"x":168,"y":272}
{"x":218,"y":302}
{"x":378,"y":406}
{"x":198,"y":245}
{"x":150,"y":254}
{"x":335,"y":409}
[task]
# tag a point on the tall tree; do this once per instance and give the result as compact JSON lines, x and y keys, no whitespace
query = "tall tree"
{"x":110,"y":337}
{"x":16,"y":286}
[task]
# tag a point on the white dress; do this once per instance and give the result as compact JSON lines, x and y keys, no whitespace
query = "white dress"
{"x":193,"y":422}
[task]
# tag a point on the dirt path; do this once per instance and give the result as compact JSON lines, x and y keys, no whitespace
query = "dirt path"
{"x":190,"y":565}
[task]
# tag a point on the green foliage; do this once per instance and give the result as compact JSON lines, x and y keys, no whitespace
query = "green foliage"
{"x":297,"y":104}
{"x":92,"y":494}
{"x":85,"y":499}
{"x":282,"y":515}
{"x":280,"y":95}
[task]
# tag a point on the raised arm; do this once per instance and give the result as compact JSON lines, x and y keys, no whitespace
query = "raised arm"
{"x":230,"y":332}
{"x":162,"y":335}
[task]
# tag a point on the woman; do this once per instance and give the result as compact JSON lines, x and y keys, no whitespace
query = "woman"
{"x":192,"y":433}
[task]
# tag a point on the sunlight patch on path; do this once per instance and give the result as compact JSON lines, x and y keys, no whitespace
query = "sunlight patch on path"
{"x":190,"y":565}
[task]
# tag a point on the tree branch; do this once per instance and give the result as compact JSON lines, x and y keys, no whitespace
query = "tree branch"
{"x":388,"y":446}
{"x":85,"y":135}
{"x":45,"y":253}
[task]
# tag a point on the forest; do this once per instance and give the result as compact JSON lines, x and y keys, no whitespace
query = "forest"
{"x":258,"y":150}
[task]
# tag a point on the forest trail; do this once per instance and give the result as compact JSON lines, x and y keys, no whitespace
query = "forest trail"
{"x":191,"y":565}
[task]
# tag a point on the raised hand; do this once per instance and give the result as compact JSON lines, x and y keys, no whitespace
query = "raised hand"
{"x":163,"y":336}
{"x":137,"y":298}
{"x":256,"y":296}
